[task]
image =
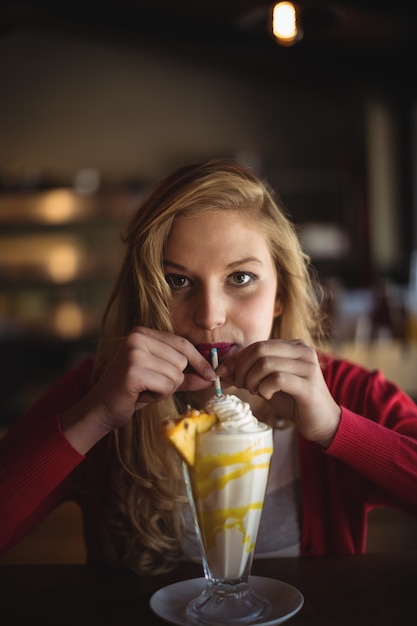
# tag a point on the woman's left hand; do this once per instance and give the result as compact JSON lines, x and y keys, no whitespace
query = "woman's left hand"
{"x":288,"y":375}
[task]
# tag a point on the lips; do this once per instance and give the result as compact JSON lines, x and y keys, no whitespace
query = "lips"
{"x":222,"y":349}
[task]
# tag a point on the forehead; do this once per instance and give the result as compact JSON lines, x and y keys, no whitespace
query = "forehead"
{"x":214,"y":223}
{"x":214,"y":234}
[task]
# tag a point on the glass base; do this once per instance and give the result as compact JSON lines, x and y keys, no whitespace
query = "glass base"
{"x":228,"y":604}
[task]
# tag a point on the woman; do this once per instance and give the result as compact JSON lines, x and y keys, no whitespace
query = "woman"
{"x":211,"y":260}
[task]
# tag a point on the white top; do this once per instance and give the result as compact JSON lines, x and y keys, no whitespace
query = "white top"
{"x":279,"y":530}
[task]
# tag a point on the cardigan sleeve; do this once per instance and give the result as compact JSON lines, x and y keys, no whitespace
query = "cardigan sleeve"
{"x":377,"y":434}
{"x":36,"y":458}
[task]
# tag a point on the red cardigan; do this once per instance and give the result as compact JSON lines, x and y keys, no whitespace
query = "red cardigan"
{"x":371,"y":461}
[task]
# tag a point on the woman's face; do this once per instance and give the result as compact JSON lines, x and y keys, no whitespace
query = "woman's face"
{"x":223,"y":281}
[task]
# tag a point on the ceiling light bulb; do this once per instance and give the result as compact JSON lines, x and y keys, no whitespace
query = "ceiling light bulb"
{"x":285,"y":27}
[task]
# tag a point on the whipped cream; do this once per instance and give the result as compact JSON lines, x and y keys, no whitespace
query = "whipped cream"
{"x":233,"y":413}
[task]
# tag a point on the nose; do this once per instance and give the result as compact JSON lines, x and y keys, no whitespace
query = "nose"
{"x":210,"y":309}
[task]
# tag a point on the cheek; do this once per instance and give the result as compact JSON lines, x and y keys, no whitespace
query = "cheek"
{"x":180,"y":316}
{"x":255,"y":317}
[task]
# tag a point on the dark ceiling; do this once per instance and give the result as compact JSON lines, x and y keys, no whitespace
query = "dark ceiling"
{"x":367,"y":40}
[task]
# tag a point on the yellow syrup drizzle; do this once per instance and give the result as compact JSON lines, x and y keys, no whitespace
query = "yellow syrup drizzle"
{"x":240,"y":463}
{"x":215,"y":521}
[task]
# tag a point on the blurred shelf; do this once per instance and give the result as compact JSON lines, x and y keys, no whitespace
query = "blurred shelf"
{"x":63,"y":207}
{"x":59,"y":254}
{"x":60,"y":251}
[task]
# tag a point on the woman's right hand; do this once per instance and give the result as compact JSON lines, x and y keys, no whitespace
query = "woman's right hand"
{"x":149,"y":366}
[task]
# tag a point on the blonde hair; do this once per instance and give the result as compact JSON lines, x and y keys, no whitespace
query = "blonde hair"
{"x":142,"y":523}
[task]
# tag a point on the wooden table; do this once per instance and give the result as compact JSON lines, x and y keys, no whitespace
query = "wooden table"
{"x":368,"y":590}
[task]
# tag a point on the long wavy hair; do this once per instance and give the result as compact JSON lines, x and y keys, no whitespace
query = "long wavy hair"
{"x":142,"y":522}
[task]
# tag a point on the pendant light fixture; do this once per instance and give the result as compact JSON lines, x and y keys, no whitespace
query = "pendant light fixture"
{"x":286,"y":26}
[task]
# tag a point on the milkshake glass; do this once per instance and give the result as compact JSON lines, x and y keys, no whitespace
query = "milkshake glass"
{"x":226,"y":487}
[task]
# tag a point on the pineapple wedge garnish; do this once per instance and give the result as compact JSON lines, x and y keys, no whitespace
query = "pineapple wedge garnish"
{"x":182,"y":431}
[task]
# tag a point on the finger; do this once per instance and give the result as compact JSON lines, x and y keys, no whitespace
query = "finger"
{"x":284,"y":404}
{"x":267,"y":359}
{"x":279,"y":382}
{"x":181,"y":346}
{"x":158,"y":382}
{"x":194,"y":382}
{"x":235,"y":369}
{"x":227,"y":367}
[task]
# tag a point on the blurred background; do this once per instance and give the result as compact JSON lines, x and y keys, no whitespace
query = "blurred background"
{"x":101,"y":98}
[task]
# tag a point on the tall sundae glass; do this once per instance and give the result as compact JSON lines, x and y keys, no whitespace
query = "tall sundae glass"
{"x":226,"y":487}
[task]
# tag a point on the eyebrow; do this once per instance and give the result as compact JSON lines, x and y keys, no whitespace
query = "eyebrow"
{"x":234,"y":264}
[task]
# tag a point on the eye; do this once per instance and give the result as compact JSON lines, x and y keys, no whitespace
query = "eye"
{"x":177,"y":281}
{"x":240,"y":279}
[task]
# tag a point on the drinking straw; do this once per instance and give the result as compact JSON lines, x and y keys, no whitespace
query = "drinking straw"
{"x":215,"y":364}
